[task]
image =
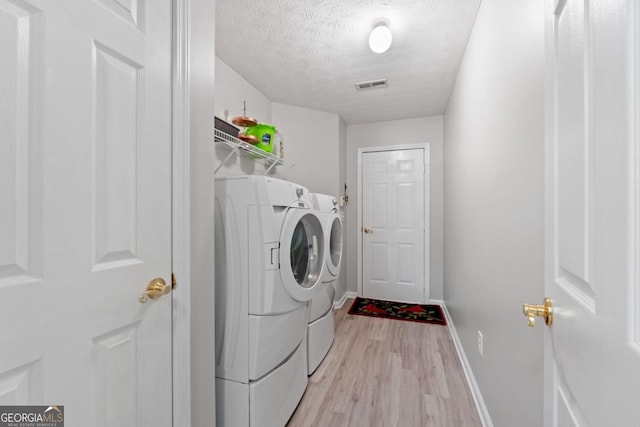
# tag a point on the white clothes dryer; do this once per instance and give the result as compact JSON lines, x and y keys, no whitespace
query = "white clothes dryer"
{"x":321,"y":328}
{"x":327,"y":206}
{"x":269,"y":257}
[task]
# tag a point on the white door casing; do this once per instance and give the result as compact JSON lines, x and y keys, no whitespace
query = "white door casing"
{"x":86,"y":214}
{"x":592,"y":350}
{"x":393,"y":233}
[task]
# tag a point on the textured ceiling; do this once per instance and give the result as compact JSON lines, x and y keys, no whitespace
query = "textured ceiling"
{"x":310,"y":53}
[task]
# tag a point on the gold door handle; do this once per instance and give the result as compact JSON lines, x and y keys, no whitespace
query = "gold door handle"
{"x":532,"y":311}
{"x":155,"y":289}
{"x":367,"y":230}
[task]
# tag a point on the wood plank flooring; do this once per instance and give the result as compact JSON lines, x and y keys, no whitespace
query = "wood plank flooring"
{"x":386,"y":373}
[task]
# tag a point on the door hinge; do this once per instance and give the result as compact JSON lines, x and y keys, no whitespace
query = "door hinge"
{"x":174,"y":281}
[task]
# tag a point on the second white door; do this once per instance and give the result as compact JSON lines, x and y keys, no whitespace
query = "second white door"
{"x":592,"y":349}
{"x":393,"y":224}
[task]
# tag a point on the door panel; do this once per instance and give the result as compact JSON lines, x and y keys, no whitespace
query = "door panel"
{"x":86,"y":187}
{"x":379,"y":198}
{"x":117,"y":161}
{"x":131,"y":11}
{"x":20,"y":152}
{"x":573,"y":153}
{"x":21,"y":384}
{"x":566,"y":416}
{"x":117,"y":370}
{"x":380,"y":263}
{"x":393,"y":207}
{"x":592,"y":366}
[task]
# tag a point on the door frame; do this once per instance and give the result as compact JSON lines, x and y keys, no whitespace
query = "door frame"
{"x":180,"y":246}
{"x":427,"y":213}
{"x":193,"y":68}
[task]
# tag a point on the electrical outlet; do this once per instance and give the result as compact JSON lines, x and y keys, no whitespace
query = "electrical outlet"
{"x":480,"y":343}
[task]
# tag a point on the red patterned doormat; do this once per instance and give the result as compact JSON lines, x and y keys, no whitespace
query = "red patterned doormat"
{"x":427,"y":313}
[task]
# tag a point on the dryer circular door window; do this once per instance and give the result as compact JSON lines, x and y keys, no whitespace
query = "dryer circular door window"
{"x":335,"y":244}
{"x":301,"y":253}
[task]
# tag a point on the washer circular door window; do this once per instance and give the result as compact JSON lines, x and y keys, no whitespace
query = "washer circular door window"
{"x":335,"y":244}
{"x":301,"y":254}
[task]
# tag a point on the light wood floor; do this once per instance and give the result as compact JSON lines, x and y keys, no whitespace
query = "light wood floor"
{"x":387,"y":373}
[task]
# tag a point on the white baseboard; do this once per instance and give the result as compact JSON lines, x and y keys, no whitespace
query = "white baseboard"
{"x":466,"y":367}
{"x":337,"y":305}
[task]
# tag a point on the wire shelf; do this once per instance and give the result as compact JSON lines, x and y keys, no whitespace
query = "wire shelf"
{"x":240,"y":147}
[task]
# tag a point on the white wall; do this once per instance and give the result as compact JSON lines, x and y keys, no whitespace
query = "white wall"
{"x":494,"y":195}
{"x":232,"y":90}
{"x":195,"y":270}
{"x":312,"y":143}
{"x":397,"y":132}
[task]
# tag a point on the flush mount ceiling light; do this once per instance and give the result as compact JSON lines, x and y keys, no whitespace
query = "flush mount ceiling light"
{"x":380,"y":38}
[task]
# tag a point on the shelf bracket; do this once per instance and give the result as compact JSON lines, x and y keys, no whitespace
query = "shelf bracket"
{"x":273,"y":163}
{"x":222,"y":163}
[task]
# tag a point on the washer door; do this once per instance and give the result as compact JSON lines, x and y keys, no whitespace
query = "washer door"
{"x":334,"y":257}
{"x":301,"y":253}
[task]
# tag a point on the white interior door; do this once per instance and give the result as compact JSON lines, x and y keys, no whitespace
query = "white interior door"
{"x":85,"y":113}
{"x":592,"y":349}
{"x":393,"y":225}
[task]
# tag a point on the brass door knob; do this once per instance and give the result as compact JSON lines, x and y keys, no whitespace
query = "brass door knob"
{"x":155,"y":289}
{"x":532,"y":311}
{"x":367,"y":230}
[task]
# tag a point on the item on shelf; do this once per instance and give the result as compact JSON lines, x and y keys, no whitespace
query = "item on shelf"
{"x":280,"y":145}
{"x":226,"y":127}
{"x":251,"y":139}
{"x":242,"y":148}
{"x":265,"y":133}
{"x":244,"y":121}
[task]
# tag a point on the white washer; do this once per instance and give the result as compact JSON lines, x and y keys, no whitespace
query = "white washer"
{"x":268,"y":265}
{"x":321,"y":329}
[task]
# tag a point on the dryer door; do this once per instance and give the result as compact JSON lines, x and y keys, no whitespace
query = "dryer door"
{"x":334,"y":253}
{"x":301,"y":253}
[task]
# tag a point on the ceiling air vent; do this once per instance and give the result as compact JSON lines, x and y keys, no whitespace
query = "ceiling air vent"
{"x":372,"y":84}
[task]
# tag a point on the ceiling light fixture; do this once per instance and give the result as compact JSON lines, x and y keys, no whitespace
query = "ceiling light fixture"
{"x":380,"y":38}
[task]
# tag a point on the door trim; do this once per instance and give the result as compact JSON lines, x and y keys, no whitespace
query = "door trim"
{"x":427,"y":213}
{"x":193,"y":68}
{"x":635,"y":135}
{"x":180,"y":223}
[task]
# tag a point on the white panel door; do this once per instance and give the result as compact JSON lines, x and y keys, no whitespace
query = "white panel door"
{"x":85,"y":113}
{"x":393,"y":225}
{"x":592,"y":349}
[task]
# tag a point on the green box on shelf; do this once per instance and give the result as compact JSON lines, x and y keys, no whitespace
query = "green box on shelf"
{"x":265,"y":134}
